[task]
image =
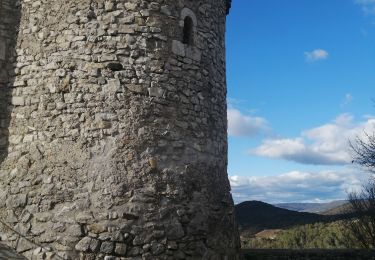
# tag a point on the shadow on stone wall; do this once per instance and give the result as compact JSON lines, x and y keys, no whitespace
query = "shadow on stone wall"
{"x":10,"y":14}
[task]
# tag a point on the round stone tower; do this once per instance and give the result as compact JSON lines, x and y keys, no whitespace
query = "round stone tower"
{"x":113,"y":130}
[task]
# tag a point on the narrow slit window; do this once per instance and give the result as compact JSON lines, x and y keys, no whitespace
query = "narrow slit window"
{"x":188,"y":31}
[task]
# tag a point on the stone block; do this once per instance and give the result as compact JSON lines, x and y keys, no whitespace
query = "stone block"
{"x":107,"y":247}
{"x":174,"y":230}
{"x":84,"y":244}
{"x":155,"y":92}
{"x":24,"y":245}
{"x":120,"y":249}
{"x":178,"y":48}
{"x":18,"y":101}
{"x":15,"y":201}
{"x":193,"y":53}
{"x":3,"y":50}
{"x":94,"y":245}
{"x":137,"y":88}
{"x":113,"y":86}
{"x":98,"y":228}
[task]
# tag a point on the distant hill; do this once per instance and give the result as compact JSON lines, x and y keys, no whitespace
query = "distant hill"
{"x":312,"y":207}
{"x":256,"y":216}
{"x":342,"y":209}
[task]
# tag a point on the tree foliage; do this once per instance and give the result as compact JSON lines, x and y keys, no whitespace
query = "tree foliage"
{"x":332,"y":235}
{"x":364,"y":151}
{"x":362,"y":227}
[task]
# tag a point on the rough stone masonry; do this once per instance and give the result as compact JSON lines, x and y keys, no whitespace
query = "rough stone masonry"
{"x":113,"y":141}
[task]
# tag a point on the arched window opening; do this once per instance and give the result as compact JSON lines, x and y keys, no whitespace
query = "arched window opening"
{"x":188,"y":37}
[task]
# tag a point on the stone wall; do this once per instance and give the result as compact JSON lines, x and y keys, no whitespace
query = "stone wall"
{"x":9,"y":22}
{"x":7,"y":253}
{"x":116,"y":144}
{"x":267,"y":254}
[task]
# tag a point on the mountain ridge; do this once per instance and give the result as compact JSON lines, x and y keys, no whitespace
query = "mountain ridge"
{"x":312,"y":207}
{"x":255,"y":216}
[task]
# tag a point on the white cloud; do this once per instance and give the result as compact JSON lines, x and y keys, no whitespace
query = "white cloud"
{"x":316,"y":55}
{"x":298,"y":186}
{"x":347,"y":100}
{"x":324,"y":145}
{"x":368,"y":6}
{"x":245,"y":125}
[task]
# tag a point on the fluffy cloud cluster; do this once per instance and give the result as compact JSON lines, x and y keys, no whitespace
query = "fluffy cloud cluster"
{"x":324,"y":145}
{"x":368,"y":6}
{"x":316,"y":55}
{"x":297,"y":186}
{"x":244,"y":125}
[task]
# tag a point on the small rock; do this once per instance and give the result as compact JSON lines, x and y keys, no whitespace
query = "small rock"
{"x":157,"y":248}
{"x":109,"y":5}
{"x":155,"y":92}
{"x":120,"y":249}
{"x":107,"y":247}
{"x":18,"y":101}
{"x":178,"y":48}
{"x":84,"y":244}
{"x":153,"y":163}
{"x":94,"y":245}
{"x":97,"y":228}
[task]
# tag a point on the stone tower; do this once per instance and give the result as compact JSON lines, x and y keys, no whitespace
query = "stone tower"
{"x":113,"y":129}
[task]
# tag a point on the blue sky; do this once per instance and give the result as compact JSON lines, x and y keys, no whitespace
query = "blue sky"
{"x":300,"y":75}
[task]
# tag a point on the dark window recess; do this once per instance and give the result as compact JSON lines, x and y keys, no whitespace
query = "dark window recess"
{"x":188,"y":31}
